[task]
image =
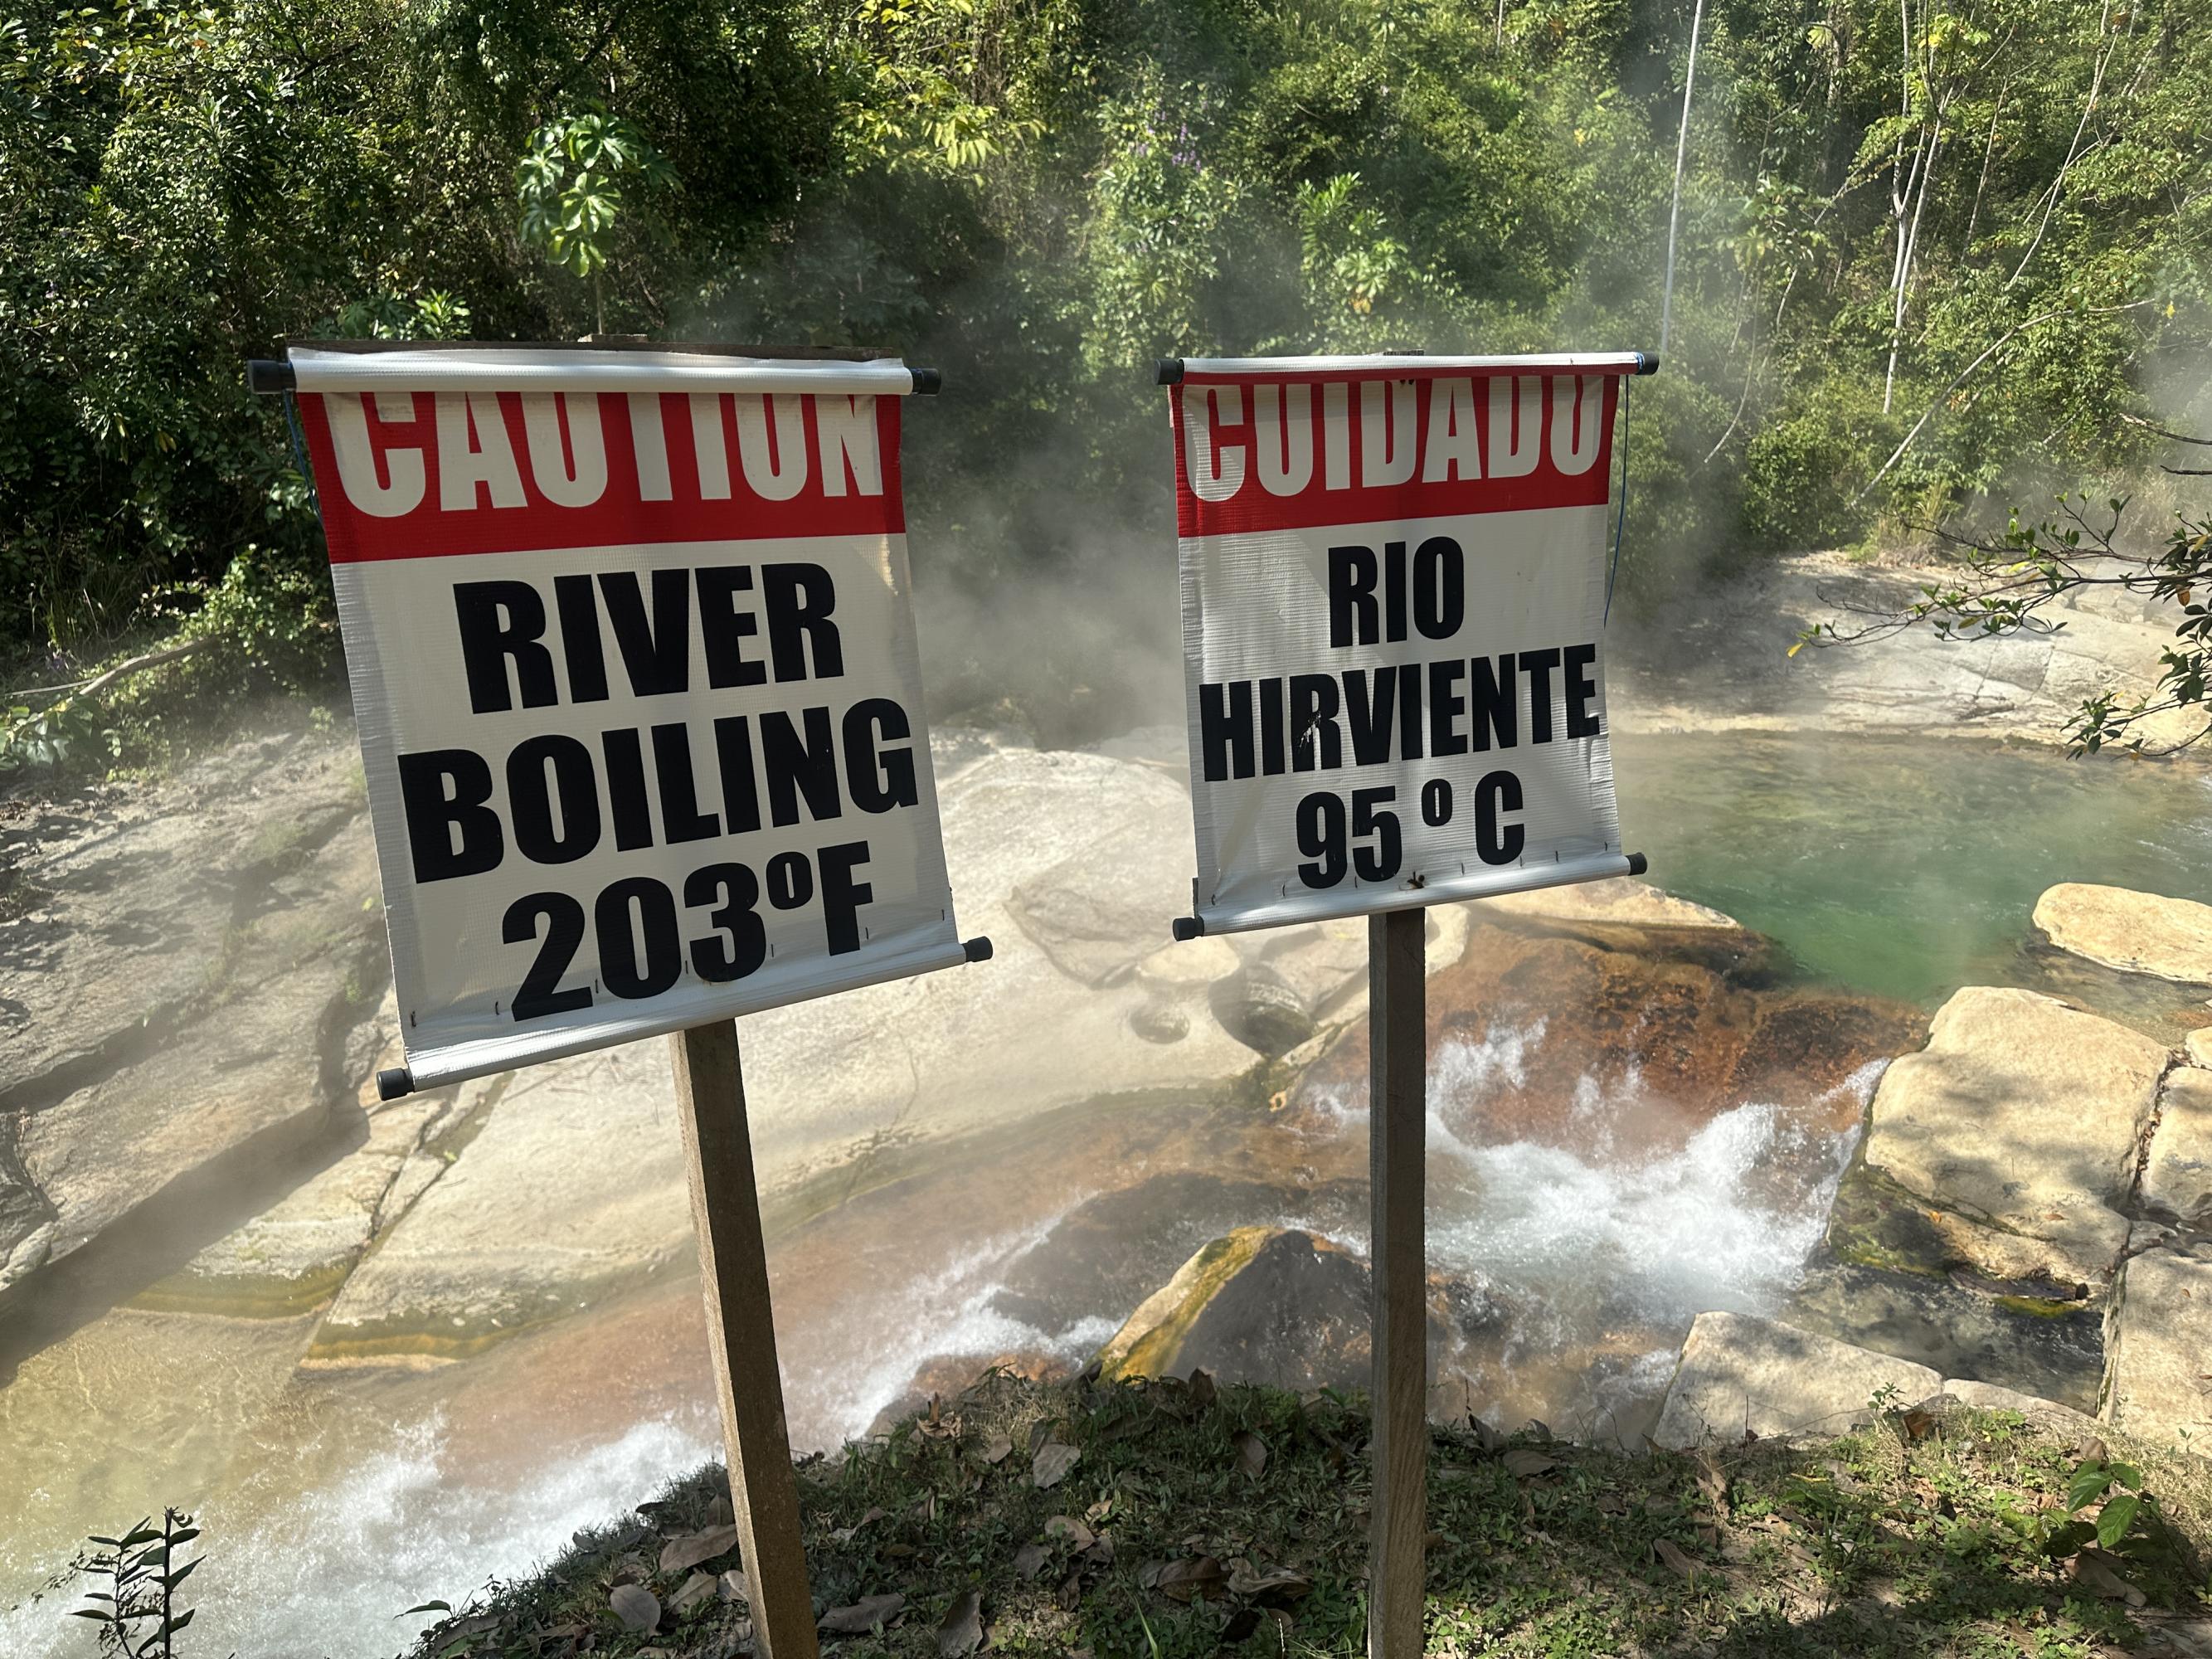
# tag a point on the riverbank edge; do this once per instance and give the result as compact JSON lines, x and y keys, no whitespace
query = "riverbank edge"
{"x":1192,"y":1519}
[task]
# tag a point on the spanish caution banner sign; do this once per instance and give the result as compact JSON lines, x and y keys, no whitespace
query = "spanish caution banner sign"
{"x":634,"y":665}
{"x":1394,"y":591}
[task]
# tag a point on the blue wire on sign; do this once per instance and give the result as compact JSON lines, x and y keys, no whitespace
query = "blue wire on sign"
{"x":307,"y":477}
{"x":1621,"y":521}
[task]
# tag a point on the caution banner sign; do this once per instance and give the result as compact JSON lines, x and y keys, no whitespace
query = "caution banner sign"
{"x":1394,"y":590}
{"x":632,"y":661}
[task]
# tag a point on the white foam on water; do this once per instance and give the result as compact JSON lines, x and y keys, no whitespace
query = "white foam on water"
{"x":836,"y":1395}
{"x":327,"y":1576}
{"x":1724,"y":1221}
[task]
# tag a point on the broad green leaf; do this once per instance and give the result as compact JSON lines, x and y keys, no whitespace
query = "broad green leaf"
{"x":2113,"y":1523}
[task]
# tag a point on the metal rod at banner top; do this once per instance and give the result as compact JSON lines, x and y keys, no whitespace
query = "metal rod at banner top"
{"x":701,"y":367}
{"x":1172,"y":371}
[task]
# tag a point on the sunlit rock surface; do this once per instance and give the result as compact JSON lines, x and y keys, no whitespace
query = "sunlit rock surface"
{"x":2021,"y":1123}
{"x":294,"y":1255}
{"x":2159,"y":1350}
{"x":573,"y":1186}
{"x":2176,"y":1174}
{"x":2136,"y":933}
{"x":2027,"y":684}
{"x":1742,"y":1375}
{"x":178,"y":972}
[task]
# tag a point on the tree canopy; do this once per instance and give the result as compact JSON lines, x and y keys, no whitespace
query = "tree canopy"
{"x":1927,"y":252}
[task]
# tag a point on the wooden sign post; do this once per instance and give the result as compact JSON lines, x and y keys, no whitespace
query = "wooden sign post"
{"x":589,"y":607}
{"x":1394,"y":589}
{"x":1397,"y":1055}
{"x":710,"y":1091}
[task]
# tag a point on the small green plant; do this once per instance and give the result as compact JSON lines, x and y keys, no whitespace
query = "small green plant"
{"x":137,"y":1613}
{"x":2114,"y":1489}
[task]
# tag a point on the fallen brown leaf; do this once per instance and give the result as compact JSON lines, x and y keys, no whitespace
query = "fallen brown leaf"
{"x":1674,"y":1557}
{"x":1030,"y":1560}
{"x":637,"y":1608}
{"x":1049,"y":1467}
{"x":996,"y":1452}
{"x":734,"y":1587}
{"x":1281,"y":1583}
{"x":692,"y":1548}
{"x":2097,"y":1571}
{"x":1078,"y":1536}
{"x":1252,"y":1455}
{"x":844,"y":1534}
{"x":960,"y":1630}
{"x":697,"y":1588}
{"x":1526,"y":1460}
{"x":864,"y":1615}
{"x":1202,"y":1391}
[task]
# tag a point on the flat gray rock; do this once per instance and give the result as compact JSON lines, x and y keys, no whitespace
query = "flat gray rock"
{"x":2062,"y":1420}
{"x":574,"y":1186}
{"x":2159,"y":1353}
{"x":2023,"y":1120}
{"x":294,"y":1255}
{"x":2177,"y":1177}
{"x":2039,"y":1346}
{"x":1742,"y":1374}
{"x":177,"y":986}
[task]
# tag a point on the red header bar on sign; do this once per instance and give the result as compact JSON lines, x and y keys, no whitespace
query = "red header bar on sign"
{"x":405,"y":475}
{"x":1290,"y":451}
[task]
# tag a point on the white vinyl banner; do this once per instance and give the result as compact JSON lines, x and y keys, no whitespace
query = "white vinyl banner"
{"x":1394,"y":589}
{"x":634,"y":664}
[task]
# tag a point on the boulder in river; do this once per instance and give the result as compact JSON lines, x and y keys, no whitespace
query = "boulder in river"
{"x":2176,"y":1174}
{"x":2021,"y":1123}
{"x":2158,"y":1351}
{"x":1740,"y":1375}
{"x":2135,"y":933}
{"x":1261,"y":1304}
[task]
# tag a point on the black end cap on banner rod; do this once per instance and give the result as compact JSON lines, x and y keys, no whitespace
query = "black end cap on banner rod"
{"x":1637,"y":864}
{"x":977,"y":949}
{"x":1168,"y":371}
{"x":1187,"y":927}
{"x":394,"y":1083}
{"x":1647,"y":363}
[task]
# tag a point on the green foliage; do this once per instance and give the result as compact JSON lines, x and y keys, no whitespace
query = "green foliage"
{"x":571,"y":185}
{"x":1924,"y":252}
{"x":139,"y":1614}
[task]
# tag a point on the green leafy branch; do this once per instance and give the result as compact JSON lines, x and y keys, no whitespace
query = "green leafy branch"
{"x":572,"y":183}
